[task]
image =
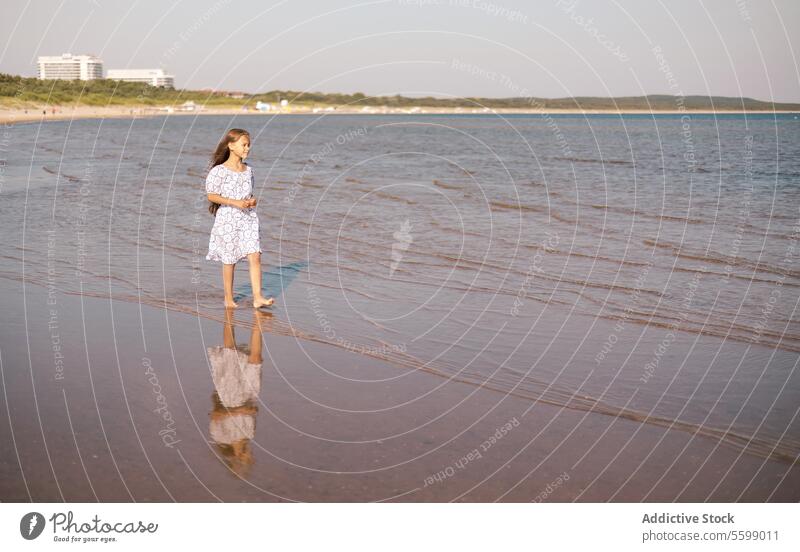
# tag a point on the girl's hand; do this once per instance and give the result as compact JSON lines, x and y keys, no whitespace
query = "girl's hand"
{"x":243,"y":203}
{"x":252,"y":200}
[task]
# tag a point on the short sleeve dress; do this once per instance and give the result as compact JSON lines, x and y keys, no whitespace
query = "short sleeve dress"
{"x":236,"y":231}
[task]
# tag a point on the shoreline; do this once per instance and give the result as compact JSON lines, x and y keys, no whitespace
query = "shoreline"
{"x":11,"y":116}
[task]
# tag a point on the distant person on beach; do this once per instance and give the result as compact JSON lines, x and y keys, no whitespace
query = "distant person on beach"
{"x":235,"y":235}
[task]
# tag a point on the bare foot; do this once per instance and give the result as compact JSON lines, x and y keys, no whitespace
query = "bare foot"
{"x":262,"y":302}
{"x":231,"y":304}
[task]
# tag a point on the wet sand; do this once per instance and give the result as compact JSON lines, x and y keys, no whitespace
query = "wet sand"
{"x":116,"y":401}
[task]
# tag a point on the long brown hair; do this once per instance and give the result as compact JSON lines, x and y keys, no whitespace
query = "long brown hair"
{"x":221,"y":155}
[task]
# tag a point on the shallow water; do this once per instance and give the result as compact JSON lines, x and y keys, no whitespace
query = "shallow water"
{"x":641,"y":267}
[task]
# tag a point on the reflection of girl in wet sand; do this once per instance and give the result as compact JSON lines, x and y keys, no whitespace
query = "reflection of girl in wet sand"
{"x":236,"y":371}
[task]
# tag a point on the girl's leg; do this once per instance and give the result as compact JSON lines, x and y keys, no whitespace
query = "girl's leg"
{"x":254,"y":259}
{"x":227,"y":284}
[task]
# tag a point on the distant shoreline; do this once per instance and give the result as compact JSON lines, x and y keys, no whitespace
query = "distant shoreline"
{"x":12,"y":116}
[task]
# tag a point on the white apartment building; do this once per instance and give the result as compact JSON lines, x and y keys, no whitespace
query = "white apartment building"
{"x":69,"y":67}
{"x":154,"y":77}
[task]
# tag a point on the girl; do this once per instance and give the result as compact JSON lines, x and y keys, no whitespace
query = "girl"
{"x":235,"y":235}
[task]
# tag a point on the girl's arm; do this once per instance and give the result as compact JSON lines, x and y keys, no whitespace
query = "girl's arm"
{"x":222,"y":200}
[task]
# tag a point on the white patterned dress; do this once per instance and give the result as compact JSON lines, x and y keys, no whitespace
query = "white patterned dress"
{"x":236,"y":232}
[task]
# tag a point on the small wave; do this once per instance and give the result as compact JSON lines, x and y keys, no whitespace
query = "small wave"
{"x":733,"y":332}
{"x":603,"y":161}
{"x":386,"y":195}
{"x":441,"y":184}
{"x":719,"y":258}
{"x":48,"y":148}
{"x":516,"y":207}
{"x":656,"y":216}
{"x":62,"y":175}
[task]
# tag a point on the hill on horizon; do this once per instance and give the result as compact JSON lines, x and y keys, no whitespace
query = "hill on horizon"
{"x":20,"y":91}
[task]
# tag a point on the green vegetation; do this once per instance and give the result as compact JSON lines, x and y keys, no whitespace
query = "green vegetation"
{"x":16,"y":91}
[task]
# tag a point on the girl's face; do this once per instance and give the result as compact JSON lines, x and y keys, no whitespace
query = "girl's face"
{"x":241,"y":147}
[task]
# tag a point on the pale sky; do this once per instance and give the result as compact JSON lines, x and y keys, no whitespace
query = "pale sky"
{"x":490,"y":48}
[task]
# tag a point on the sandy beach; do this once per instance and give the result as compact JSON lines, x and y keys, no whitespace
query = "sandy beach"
{"x":10,"y":116}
